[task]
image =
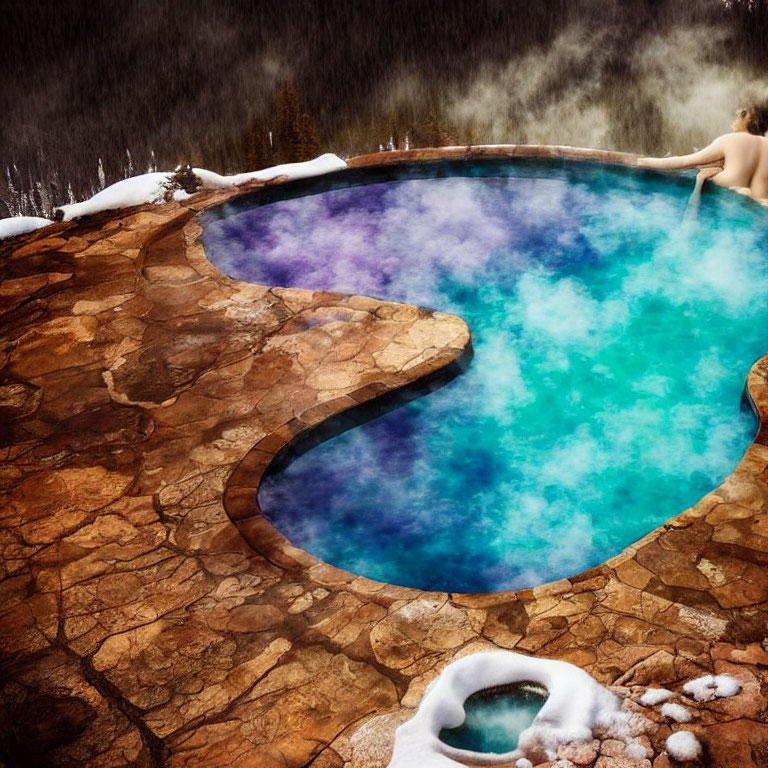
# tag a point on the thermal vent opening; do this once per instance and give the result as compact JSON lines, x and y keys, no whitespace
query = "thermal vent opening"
{"x":496,"y":717}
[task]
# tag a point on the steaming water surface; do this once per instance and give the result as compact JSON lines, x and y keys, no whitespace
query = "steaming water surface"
{"x":495,"y":719}
{"x":611,"y":347}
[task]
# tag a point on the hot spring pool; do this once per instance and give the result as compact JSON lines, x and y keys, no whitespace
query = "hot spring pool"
{"x":496,"y":718}
{"x":605,"y":395}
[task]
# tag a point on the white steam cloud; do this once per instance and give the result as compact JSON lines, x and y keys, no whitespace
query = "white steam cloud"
{"x":672,"y":95}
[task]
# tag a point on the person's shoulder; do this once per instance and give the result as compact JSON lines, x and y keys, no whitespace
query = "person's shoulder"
{"x":735,"y":139}
{"x":741,"y":136}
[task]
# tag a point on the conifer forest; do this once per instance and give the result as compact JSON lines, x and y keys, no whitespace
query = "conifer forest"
{"x":95,"y":92}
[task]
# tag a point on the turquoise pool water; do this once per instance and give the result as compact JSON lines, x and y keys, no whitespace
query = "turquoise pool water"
{"x":495,"y":719}
{"x":611,"y":346}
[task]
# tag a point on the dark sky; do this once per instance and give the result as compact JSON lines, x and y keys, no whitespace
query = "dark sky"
{"x":87,"y":79}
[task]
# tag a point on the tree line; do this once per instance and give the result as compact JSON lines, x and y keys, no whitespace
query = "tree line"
{"x":231,"y":86}
{"x":287,"y":134}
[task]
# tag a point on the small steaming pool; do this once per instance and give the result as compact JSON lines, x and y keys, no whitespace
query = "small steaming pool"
{"x":495,"y":718}
{"x":611,"y":346}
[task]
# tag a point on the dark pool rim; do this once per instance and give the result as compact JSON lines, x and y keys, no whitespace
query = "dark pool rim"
{"x":240,"y":498}
{"x":472,"y":162}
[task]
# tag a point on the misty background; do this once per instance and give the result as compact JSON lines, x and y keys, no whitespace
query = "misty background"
{"x":94,"y":91}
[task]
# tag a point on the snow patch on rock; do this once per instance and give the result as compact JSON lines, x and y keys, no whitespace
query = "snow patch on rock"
{"x":654,"y":696}
{"x":683,"y":745}
{"x":18,"y":225}
{"x":676,"y":712}
{"x":322,"y":164}
{"x":152,"y":187}
{"x":712,"y":686}
{"x":147,"y":188}
{"x":576,"y":706}
{"x":636,"y":751}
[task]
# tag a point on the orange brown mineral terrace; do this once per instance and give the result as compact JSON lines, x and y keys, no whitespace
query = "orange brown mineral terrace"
{"x":149,"y":616}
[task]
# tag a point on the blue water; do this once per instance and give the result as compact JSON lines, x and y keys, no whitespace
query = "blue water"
{"x":495,"y":719}
{"x":611,"y":346}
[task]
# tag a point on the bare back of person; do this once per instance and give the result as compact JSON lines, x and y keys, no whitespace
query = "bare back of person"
{"x":737,"y":160}
{"x":745,"y":164}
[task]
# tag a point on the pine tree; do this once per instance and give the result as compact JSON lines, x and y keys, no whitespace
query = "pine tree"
{"x":432,"y":132}
{"x":308,"y":139}
{"x":296,"y":137}
{"x":287,"y":124}
{"x":258,"y":149}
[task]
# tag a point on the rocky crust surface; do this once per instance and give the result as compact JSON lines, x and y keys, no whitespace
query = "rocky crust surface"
{"x":149,"y":616}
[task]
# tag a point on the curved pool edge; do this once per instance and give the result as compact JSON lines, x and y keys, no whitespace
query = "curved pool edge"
{"x":549,"y":151}
{"x":241,"y":488}
{"x":240,"y":497}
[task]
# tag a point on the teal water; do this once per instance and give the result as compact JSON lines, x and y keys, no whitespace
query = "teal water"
{"x":495,"y":719}
{"x":611,"y":347}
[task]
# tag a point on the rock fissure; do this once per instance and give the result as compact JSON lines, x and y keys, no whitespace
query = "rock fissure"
{"x":156,"y":748}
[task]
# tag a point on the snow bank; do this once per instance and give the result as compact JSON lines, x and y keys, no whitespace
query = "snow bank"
{"x":576,"y":705}
{"x":676,"y":712}
{"x":655,"y":696}
{"x":18,"y":225}
{"x":683,"y":745}
{"x":147,"y":188}
{"x":712,"y":686}
{"x":152,"y":187}
{"x":323,"y":164}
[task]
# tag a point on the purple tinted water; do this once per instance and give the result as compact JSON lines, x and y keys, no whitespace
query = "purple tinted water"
{"x":611,"y":346}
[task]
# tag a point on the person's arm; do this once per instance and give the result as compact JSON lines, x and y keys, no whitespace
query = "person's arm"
{"x":710,"y":155}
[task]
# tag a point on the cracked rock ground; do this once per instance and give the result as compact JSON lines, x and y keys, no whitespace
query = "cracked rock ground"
{"x":150,"y":616}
